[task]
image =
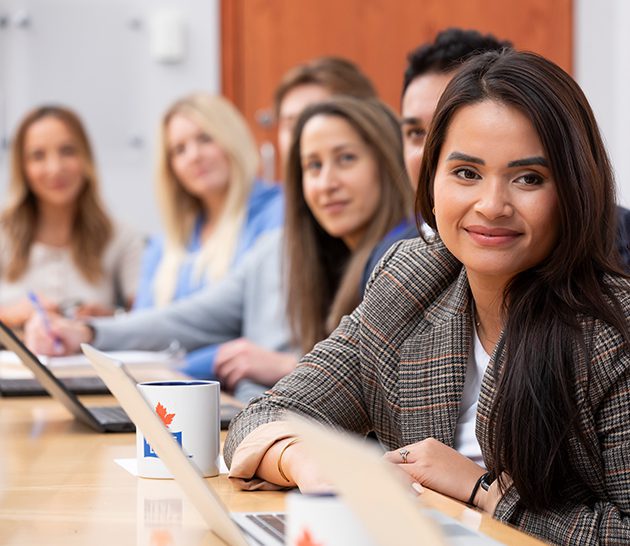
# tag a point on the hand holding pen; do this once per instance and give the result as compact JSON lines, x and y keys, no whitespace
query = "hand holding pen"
{"x":43,"y":315}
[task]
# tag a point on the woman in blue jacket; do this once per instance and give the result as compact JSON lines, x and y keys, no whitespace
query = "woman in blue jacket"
{"x":212,"y":205}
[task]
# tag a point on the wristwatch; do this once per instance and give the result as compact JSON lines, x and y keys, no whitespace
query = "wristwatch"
{"x":486,"y":481}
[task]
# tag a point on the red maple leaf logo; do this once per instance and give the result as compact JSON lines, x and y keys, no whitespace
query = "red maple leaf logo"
{"x":167,"y":418}
{"x":306,"y":539}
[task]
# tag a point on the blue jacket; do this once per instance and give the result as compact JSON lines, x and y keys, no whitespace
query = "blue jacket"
{"x":265,"y":211}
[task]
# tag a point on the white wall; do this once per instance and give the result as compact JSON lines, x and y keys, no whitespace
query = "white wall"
{"x":95,"y":56}
{"x":602,"y":67}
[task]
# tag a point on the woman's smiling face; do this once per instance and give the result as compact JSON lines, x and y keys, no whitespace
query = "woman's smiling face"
{"x":496,"y":203}
{"x":340,"y":177}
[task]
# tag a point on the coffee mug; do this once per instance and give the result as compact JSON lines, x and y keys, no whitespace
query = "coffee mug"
{"x":323,"y":519}
{"x":190,"y":410}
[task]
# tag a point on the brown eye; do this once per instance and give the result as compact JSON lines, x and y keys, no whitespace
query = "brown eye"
{"x":466,"y":174}
{"x":530,"y":179}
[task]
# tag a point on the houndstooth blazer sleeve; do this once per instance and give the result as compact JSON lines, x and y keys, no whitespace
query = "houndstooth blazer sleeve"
{"x":350,"y":380}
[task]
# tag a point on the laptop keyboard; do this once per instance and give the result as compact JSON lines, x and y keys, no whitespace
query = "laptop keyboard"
{"x":32,"y":387}
{"x":274,"y":524}
{"x":109,"y":414}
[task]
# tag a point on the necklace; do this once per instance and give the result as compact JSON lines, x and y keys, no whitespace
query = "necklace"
{"x":475,"y":316}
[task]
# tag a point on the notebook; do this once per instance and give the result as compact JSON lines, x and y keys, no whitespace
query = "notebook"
{"x":101,"y":419}
{"x":380,"y":499}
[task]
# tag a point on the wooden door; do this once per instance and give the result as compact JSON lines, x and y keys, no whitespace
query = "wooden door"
{"x":261,"y":39}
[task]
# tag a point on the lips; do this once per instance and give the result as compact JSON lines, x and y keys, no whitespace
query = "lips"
{"x":55,"y":185}
{"x":492,"y":236}
{"x":334,"y":206}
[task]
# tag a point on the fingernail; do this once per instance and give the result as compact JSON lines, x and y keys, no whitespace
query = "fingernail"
{"x":417,"y":488}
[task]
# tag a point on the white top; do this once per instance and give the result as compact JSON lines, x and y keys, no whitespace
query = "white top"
{"x":53,"y":274}
{"x":465,"y":439}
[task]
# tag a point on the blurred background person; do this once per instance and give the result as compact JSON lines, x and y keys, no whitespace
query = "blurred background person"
{"x":346,"y":188}
{"x":56,"y":238}
{"x":213,"y":207}
{"x":429,"y":69}
{"x":311,"y":82}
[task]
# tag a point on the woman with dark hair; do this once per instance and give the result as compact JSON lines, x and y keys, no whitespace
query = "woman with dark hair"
{"x":492,"y":360}
{"x":56,"y":238}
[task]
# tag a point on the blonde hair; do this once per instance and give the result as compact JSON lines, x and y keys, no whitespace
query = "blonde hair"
{"x":180,"y":210}
{"x":91,"y":230}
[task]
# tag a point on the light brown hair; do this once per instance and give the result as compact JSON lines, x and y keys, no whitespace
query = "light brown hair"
{"x":323,"y":274}
{"x":91,"y":229}
{"x":340,"y":76}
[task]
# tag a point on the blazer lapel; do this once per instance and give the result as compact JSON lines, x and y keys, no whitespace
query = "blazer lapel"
{"x":432,"y":367}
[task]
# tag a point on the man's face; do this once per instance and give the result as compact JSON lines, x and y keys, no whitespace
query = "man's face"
{"x":418,"y":106}
{"x":292,"y":105}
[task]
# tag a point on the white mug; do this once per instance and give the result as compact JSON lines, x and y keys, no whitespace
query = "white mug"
{"x":190,"y":409}
{"x":323,"y":519}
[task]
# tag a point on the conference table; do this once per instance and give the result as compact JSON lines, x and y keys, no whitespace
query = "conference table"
{"x":63,"y":484}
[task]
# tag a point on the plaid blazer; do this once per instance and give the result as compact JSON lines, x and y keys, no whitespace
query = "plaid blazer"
{"x":397,"y":366}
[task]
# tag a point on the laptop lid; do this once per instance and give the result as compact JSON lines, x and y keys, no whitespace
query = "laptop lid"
{"x":48,"y":380}
{"x":213,"y":511}
{"x":382,"y":503}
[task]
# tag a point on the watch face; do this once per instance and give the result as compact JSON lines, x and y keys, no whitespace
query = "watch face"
{"x":486,"y":481}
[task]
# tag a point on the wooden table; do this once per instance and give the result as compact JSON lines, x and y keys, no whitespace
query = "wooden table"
{"x":59,"y":485}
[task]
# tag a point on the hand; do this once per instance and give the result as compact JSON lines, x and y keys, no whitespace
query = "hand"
{"x":240,"y":359}
{"x":297,"y":466}
{"x":16,"y":314}
{"x":64,"y":337}
{"x":439,"y":467}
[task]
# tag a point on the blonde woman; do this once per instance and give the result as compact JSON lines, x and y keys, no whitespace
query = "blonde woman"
{"x":213,"y":208}
{"x":56,"y":239}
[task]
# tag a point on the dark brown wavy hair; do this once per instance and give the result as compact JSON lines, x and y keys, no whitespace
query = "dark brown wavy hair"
{"x":536,"y":410}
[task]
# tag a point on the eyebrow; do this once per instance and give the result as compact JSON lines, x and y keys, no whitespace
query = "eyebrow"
{"x":410,"y":121}
{"x":459,"y":156}
{"x":335,"y":149}
{"x":526,"y":161}
{"x":537,"y":160}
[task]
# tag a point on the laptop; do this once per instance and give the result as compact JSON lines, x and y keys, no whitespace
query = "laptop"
{"x":239,"y":529}
{"x":390,"y":514}
{"x":65,"y":389}
{"x":100,"y":419}
{"x":29,"y":386}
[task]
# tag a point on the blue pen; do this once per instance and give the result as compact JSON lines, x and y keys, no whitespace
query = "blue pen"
{"x":39,"y":309}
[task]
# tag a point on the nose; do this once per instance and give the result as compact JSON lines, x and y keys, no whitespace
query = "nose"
{"x":193,"y":150}
{"x":329,"y":180}
{"x":54,"y":163}
{"x":493,"y":200}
